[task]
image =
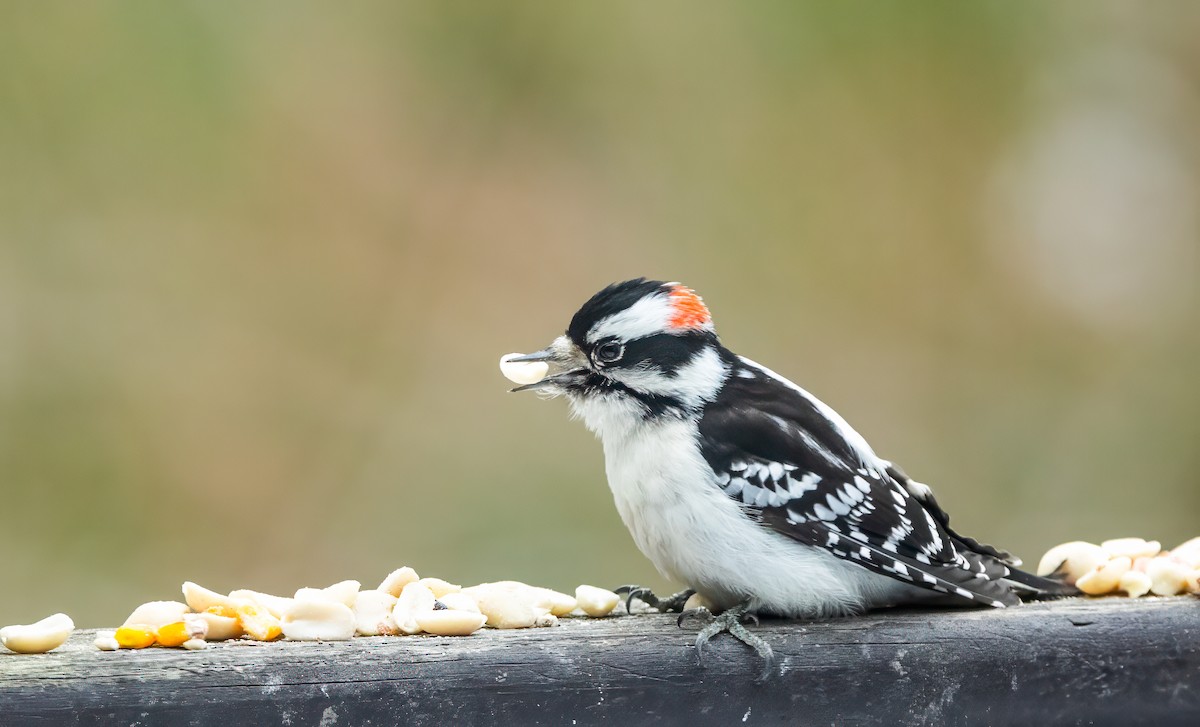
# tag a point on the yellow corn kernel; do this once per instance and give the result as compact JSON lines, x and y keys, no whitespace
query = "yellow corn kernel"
{"x":135,"y":636}
{"x":258,"y":623}
{"x":174,"y":634}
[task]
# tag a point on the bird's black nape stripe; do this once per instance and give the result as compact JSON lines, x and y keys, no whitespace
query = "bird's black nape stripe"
{"x":613,"y":299}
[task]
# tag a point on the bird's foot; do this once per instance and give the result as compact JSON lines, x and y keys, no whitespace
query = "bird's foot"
{"x":732,"y":621}
{"x":672,"y":604}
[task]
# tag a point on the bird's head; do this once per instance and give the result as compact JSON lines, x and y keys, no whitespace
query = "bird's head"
{"x":641,"y":347}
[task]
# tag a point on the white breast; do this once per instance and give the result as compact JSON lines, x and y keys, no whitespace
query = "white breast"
{"x":693,"y":533}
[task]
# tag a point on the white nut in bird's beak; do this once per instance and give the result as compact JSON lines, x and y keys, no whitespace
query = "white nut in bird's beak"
{"x":523,"y":372}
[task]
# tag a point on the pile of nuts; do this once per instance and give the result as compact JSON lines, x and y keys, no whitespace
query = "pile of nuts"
{"x":403,"y":604}
{"x":406,"y":604}
{"x":1131,"y":566}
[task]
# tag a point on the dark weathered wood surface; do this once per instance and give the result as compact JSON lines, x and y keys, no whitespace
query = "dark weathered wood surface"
{"x":1111,"y":661}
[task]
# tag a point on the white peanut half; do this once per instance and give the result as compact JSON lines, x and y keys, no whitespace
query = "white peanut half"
{"x":40,"y":637}
{"x":448,"y":622}
{"x":1135,"y":583}
{"x":414,"y":599}
{"x":1167,"y":577}
{"x":199,"y":598}
{"x":397,"y":580}
{"x":596,"y":602}
{"x":459,"y":602}
{"x":1132,"y":548}
{"x":439,"y":586}
{"x":373,"y":614}
{"x":220,"y":627}
{"x":559,"y":604}
{"x":505,"y":608}
{"x":343,"y":592}
{"x":523,"y":372}
{"x":1074,"y":559}
{"x":195,"y":644}
{"x":156,"y":614}
{"x":1105,"y":577}
{"x":1188,"y":553}
{"x":106,"y":641}
{"x":274,"y":605}
{"x":318,"y":619}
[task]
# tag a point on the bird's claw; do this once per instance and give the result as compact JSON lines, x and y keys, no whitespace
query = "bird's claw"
{"x":673,"y":604}
{"x":700,"y":614}
{"x":641,"y":593}
{"x":732,"y":621}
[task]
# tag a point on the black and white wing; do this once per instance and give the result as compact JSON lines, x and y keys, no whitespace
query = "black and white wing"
{"x":802,"y":471}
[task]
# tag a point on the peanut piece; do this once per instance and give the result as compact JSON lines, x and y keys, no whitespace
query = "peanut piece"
{"x":1188,"y":552}
{"x":222,"y":624}
{"x":439,"y":586}
{"x":1135,"y":583}
{"x":199,"y":598}
{"x":39,"y":637}
{"x":505,"y":607}
{"x":258,"y":623}
{"x":1104,"y":578}
{"x":397,"y":580}
{"x":1074,"y":559}
{"x":448,"y":622}
{"x":1133,"y":548}
{"x":157,"y":613}
{"x":275,"y":605}
{"x":373,"y":614}
{"x":315,"y":619}
{"x":459,"y":602}
{"x":523,"y":372}
{"x":1167,"y":577}
{"x":414,"y":599}
{"x":596,"y":602}
{"x":559,"y":604}
{"x":106,"y":641}
{"x":343,"y":592}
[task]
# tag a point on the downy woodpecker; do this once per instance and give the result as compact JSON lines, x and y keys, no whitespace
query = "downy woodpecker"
{"x":746,"y":488}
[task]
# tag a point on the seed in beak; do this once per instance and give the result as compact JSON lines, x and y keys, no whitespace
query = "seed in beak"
{"x":523,"y":372}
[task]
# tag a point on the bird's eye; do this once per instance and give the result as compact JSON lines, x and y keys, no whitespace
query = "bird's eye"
{"x":609,"y":352}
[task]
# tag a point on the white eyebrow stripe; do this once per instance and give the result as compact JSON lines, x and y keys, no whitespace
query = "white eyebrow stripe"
{"x":644,"y":318}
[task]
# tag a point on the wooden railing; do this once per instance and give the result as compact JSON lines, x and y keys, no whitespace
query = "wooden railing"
{"x":1108,"y":661}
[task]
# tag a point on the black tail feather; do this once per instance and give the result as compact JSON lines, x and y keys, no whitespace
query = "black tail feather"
{"x":1037,"y":588}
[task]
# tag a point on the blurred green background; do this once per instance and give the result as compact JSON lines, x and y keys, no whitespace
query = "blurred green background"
{"x":257,"y":264}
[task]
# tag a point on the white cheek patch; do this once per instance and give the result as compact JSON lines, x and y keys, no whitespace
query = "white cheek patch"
{"x":696,"y":382}
{"x":523,"y":372}
{"x":648,"y":316}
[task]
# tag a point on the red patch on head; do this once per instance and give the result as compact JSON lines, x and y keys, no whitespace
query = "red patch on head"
{"x":690,"y":311}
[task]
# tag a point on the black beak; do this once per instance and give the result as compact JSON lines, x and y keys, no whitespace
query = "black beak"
{"x":565,"y":361}
{"x":546,"y":354}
